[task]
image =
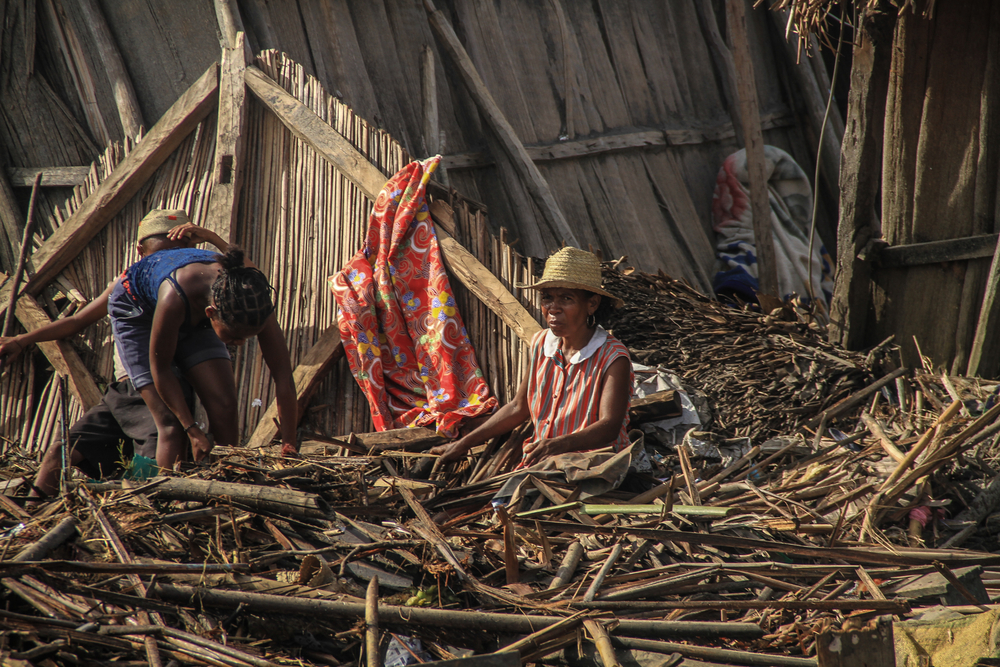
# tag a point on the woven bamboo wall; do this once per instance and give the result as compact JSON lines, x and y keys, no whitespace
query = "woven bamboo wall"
{"x":300,"y":220}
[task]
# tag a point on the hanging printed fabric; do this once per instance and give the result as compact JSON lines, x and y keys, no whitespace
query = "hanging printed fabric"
{"x":403,"y":335}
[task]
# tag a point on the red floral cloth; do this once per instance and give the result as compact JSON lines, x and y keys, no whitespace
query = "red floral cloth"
{"x":402,"y":332}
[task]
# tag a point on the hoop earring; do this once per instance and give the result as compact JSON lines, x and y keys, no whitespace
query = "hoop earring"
{"x":591,"y":321}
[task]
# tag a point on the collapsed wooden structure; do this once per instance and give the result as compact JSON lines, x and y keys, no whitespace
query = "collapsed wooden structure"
{"x":917,"y":242}
{"x":248,"y":158}
{"x":767,"y":559}
{"x":824,"y":529}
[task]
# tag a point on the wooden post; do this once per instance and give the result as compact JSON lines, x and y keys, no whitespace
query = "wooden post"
{"x":227,"y":15}
{"x":533,"y":180}
{"x":371,"y":624}
{"x":428,"y":80}
{"x":767,"y":268}
{"x":860,"y":172}
{"x":230,"y":141}
{"x":114,"y":68}
{"x":866,"y":647}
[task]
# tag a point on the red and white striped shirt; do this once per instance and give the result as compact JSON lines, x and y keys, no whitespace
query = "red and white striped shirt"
{"x":564,"y":396}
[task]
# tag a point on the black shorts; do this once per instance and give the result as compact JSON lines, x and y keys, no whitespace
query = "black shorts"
{"x":111,"y":432}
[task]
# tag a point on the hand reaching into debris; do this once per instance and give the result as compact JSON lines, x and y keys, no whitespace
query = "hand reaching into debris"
{"x":200,"y":443}
{"x":196,"y":235}
{"x":453,"y":451}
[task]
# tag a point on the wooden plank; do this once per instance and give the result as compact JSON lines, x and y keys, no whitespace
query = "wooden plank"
{"x":60,"y":354}
{"x":54,"y":177}
{"x":481,"y":282}
{"x":984,"y":357}
{"x":860,"y":173}
{"x":230,"y":142}
{"x":307,"y":377}
{"x":117,"y":189}
{"x":399,"y":439}
{"x":310,"y":128}
{"x":933,"y":252}
{"x":533,"y":180}
{"x":331,"y":145}
{"x":114,"y":68}
{"x":767,"y":268}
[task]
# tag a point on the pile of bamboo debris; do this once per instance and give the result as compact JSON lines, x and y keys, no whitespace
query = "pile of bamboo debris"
{"x":257,"y":560}
{"x":764,"y":376}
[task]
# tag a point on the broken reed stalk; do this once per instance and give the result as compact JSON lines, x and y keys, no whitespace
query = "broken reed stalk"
{"x":603,"y":642}
{"x":531,"y":643}
{"x":603,"y":572}
{"x":568,"y":566}
{"x":887,"y":444}
{"x":62,"y":531}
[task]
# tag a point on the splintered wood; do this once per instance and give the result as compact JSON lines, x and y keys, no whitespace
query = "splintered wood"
{"x":848,"y":487}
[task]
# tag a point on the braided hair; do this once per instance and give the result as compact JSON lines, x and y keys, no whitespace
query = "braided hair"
{"x":241,"y":294}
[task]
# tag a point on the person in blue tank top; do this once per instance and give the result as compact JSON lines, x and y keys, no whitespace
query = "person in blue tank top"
{"x":183,"y":306}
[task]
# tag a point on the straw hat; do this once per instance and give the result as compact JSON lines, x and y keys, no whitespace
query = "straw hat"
{"x":161,"y":221}
{"x":575,"y":269}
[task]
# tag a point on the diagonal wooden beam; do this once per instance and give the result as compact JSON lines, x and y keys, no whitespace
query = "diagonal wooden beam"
{"x":310,"y":128}
{"x":330,"y":144}
{"x":60,"y":353}
{"x":534,"y":182}
{"x":110,"y":197}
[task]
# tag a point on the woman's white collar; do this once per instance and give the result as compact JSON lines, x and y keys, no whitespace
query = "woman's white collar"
{"x":551,"y":345}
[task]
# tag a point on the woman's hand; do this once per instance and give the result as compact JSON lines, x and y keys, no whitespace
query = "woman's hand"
{"x":9,"y":349}
{"x":200,"y":444}
{"x":452,"y":451}
{"x":537,"y":451}
{"x":196,"y":235}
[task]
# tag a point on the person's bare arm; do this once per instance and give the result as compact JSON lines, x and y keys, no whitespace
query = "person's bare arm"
{"x":197,"y":235}
{"x":170,"y":313}
{"x":275,"y":351}
{"x":500,"y":422}
{"x":58,"y":330}
{"x":615,"y":393}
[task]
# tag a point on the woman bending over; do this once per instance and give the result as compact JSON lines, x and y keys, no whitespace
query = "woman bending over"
{"x":183,"y":306}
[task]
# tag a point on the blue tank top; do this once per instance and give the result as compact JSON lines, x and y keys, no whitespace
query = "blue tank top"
{"x":143,"y":279}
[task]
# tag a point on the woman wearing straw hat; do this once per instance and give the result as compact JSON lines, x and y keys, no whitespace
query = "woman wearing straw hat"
{"x":577,"y":388}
